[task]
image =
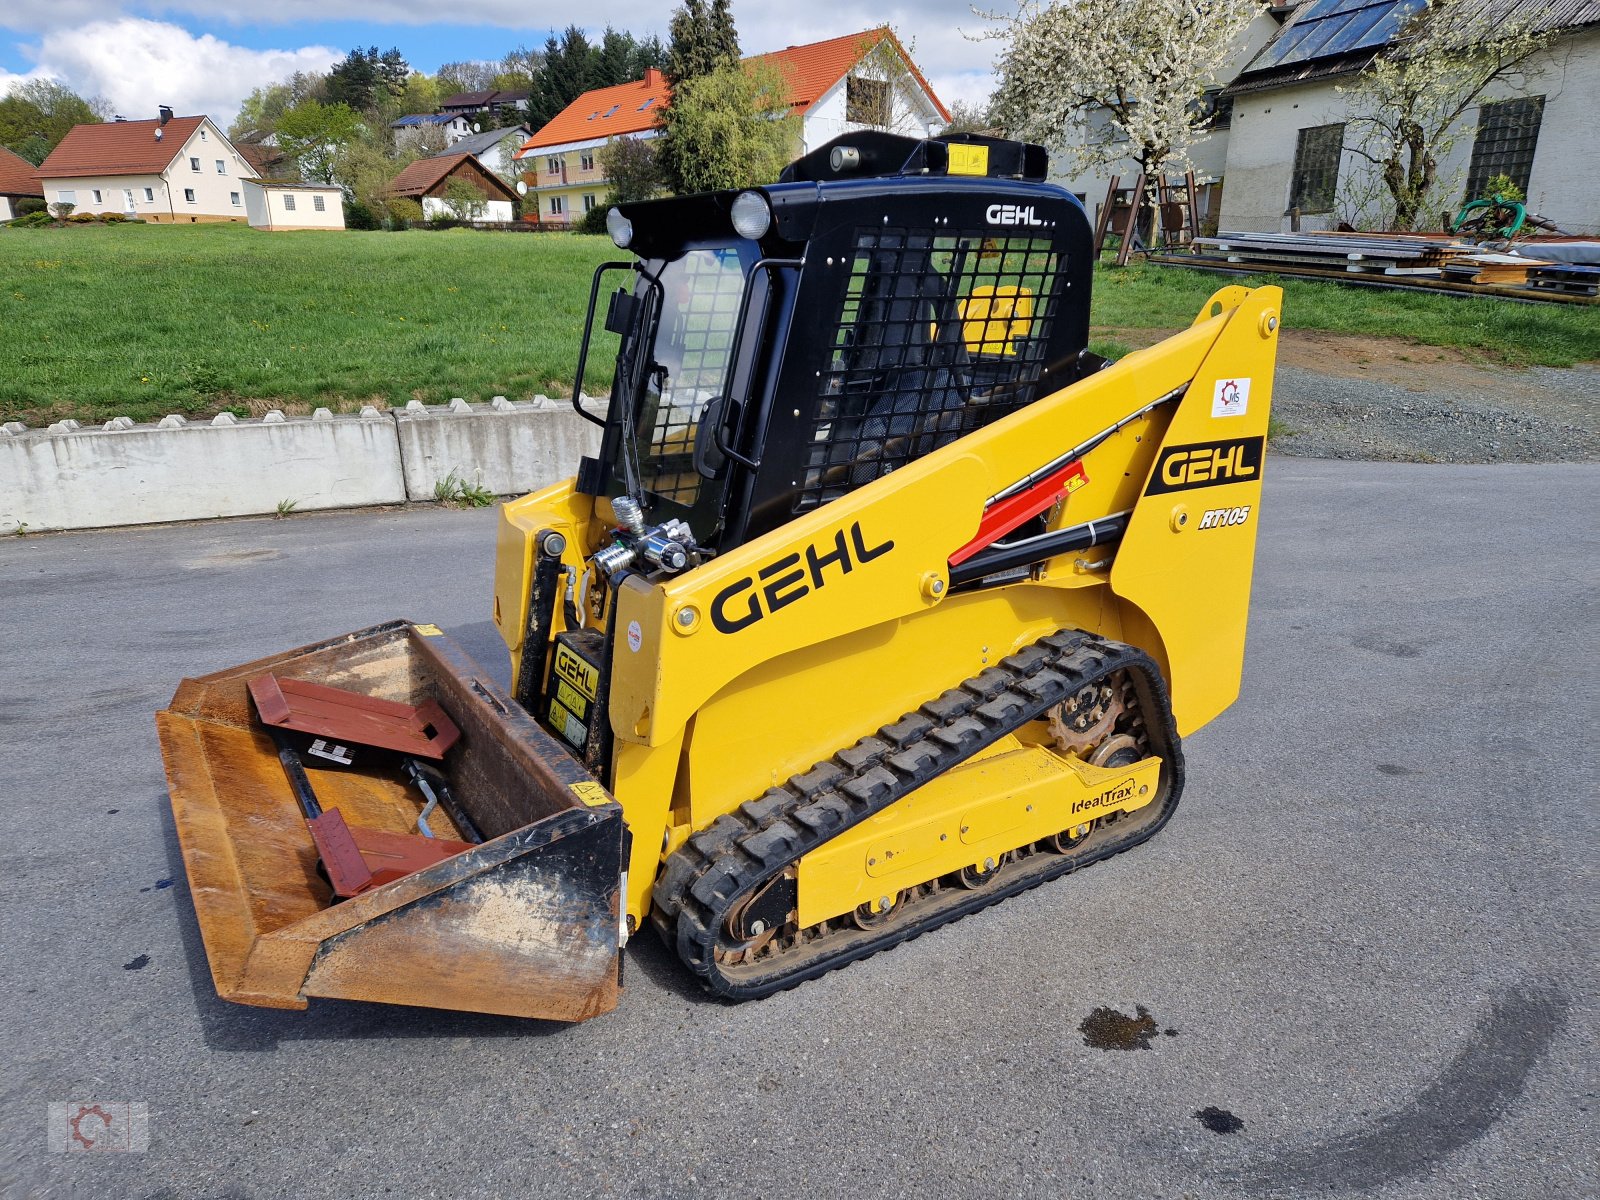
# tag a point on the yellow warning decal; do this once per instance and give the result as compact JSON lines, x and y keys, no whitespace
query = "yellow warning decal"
{"x":429,"y":630}
{"x":572,"y":698}
{"x":1077,"y":479}
{"x":591,"y":793}
{"x":968,"y":160}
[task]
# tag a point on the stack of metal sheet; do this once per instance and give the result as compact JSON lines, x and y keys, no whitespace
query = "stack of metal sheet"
{"x":1366,"y":253}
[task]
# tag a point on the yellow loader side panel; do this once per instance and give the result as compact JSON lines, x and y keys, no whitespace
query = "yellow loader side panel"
{"x":1186,"y":559}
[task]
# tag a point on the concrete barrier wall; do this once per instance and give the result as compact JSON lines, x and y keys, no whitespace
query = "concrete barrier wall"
{"x":69,"y":477}
{"x":504,"y":447}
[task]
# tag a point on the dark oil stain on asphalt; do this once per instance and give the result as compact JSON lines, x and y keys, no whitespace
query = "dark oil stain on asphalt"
{"x":1219,"y":1120}
{"x":137,"y":964}
{"x":1382,"y":645}
{"x":1108,"y":1029}
{"x":1396,"y":769}
{"x":1472,"y":1092}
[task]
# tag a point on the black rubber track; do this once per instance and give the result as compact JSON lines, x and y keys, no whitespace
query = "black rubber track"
{"x":706,"y":878}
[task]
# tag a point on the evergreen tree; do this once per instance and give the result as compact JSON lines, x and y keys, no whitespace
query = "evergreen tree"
{"x":702,"y":39}
{"x":570,"y":69}
{"x":704,"y":42}
{"x":364,"y":79}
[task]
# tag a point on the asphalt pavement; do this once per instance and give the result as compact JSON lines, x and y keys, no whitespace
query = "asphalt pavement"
{"x":1360,"y":961}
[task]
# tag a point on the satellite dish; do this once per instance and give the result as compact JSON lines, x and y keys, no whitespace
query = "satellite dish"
{"x":522,"y":187}
{"x":160,"y":133}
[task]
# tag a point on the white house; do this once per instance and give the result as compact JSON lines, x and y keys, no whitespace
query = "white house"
{"x":860,"y":81}
{"x":1280,"y":150}
{"x":172,"y":170}
{"x":410,"y":130}
{"x":278,"y":205}
{"x":1291,"y":148}
{"x":428,"y":181}
{"x":494,"y":148}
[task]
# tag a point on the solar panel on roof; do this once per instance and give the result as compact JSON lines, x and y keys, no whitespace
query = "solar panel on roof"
{"x":1326,"y":28}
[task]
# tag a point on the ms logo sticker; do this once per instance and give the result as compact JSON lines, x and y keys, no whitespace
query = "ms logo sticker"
{"x":1231,"y":399}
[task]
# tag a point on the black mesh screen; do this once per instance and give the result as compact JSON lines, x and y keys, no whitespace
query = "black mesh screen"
{"x":700,"y":299}
{"x":935,"y":335}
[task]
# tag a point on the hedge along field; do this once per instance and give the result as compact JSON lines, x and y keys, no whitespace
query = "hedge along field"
{"x":98,"y":321}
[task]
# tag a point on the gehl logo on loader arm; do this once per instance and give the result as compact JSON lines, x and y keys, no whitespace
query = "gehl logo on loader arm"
{"x":785,"y":580}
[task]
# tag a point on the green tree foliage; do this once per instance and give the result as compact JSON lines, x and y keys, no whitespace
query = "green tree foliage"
{"x":364,"y":79}
{"x":314,"y":134}
{"x":464,"y":199}
{"x":730,"y":129}
{"x":468,"y":76}
{"x":629,"y":165}
{"x":36,"y":115}
{"x":262,"y":108}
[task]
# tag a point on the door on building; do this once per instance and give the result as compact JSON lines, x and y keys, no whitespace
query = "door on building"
{"x":127,"y":201}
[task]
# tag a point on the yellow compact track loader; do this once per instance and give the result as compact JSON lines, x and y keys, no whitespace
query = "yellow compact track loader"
{"x":883,"y":600}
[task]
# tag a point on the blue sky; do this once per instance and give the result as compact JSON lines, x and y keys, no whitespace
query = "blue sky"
{"x":197,"y":56}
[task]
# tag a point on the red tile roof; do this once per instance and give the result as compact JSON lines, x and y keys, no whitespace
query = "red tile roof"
{"x":605,"y":112}
{"x":119,"y":148}
{"x":18,"y":176}
{"x":812,"y":69}
{"x":426,"y":174}
{"x":809,"y":70}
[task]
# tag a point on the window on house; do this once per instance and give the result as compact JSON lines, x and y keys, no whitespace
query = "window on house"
{"x":202,"y":135}
{"x":1508,"y":132}
{"x":96,"y":194}
{"x":194,"y":164}
{"x":552,"y":165}
{"x":611,"y":110}
{"x":222,"y":167}
{"x":288,"y":202}
{"x":67,"y":196}
{"x":149,"y":195}
{"x":588,"y":201}
{"x":233,"y":199}
{"x":558,"y":205}
{"x":648,"y":101}
{"x":1316,"y":168}
{"x":319,"y":203}
{"x":188,"y":195}
{"x":587,"y":161}
{"x":866,"y":101}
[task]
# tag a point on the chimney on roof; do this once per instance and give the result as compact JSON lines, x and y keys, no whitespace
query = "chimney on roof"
{"x":119,"y":117}
{"x":166,"y":113}
{"x":652,"y":78}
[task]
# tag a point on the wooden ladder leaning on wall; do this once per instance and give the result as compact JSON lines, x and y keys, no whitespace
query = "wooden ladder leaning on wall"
{"x":1177,"y":214}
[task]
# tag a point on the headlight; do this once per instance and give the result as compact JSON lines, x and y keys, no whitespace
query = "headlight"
{"x":619,"y":227}
{"x":752,"y":216}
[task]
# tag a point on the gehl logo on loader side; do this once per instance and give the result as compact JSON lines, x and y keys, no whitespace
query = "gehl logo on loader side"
{"x":1011,"y":214}
{"x":785,"y":580}
{"x":1206,"y":464}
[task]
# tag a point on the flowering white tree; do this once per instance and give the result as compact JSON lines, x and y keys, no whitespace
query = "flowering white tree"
{"x":1406,"y":107}
{"x":1129,"y":73}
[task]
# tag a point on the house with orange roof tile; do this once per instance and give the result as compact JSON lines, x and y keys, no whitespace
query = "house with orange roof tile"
{"x":171,"y":170}
{"x":862,"y":80}
{"x":18,"y":182}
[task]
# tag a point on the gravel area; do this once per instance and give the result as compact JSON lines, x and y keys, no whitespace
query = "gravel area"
{"x":1479,"y":415}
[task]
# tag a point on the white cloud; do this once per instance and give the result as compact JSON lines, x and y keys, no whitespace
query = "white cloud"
{"x":138,"y":64}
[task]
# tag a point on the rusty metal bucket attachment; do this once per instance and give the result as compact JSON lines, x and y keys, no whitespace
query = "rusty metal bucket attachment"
{"x":528,"y":923}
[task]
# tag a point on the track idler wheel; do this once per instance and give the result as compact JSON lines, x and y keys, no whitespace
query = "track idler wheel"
{"x":875,"y":914}
{"x":981,"y":875}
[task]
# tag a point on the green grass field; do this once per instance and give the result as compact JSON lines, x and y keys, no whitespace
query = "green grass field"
{"x":101,"y":321}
